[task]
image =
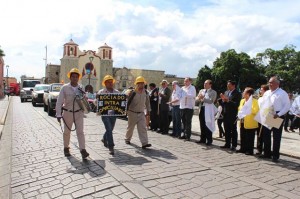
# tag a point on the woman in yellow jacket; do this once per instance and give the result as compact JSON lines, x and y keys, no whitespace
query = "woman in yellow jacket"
{"x":248,"y":124}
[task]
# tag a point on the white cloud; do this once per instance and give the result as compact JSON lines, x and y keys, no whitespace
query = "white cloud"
{"x":178,"y":37}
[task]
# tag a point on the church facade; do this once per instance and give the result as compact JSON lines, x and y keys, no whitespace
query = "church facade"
{"x":95,"y":65}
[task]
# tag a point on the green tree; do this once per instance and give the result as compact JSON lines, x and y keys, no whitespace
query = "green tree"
{"x":284,"y":63}
{"x":238,"y":67}
{"x":1,"y":52}
{"x":203,"y":74}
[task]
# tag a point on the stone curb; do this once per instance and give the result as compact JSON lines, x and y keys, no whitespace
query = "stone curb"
{"x":3,"y":118}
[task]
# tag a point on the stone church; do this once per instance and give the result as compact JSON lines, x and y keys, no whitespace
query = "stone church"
{"x":95,"y":65}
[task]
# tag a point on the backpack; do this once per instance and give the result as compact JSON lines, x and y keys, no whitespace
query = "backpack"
{"x":131,"y":98}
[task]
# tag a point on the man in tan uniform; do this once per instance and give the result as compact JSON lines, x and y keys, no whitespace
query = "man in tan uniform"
{"x":138,"y":101}
{"x":68,"y":109}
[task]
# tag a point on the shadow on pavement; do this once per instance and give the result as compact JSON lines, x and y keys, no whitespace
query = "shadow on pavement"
{"x":94,"y":168}
{"x":121,"y":158}
{"x":153,"y":153}
{"x":291,"y":165}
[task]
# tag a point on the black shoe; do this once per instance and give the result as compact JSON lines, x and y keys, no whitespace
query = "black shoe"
{"x":84,"y":154}
{"x":258,"y":153}
{"x":104,"y":143}
{"x":146,"y":146}
{"x":225,"y":147}
{"x":127,"y":142}
{"x":111,"y":151}
{"x":164,"y":133}
{"x":187,"y":139}
{"x":240,"y":151}
{"x":249,"y":153}
{"x":265,"y":156}
{"x":233,"y":148}
{"x":208,"y":144}
{"x":182,"y":137}
{"x":286,"y":130}
{"x":292,"y":130}
{"x":200,"y":141}
{"x":275,"y":160}
{"x":67,"y":151}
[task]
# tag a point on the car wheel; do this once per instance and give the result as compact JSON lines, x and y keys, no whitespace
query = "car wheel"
{"x":33,"y":103}
{"x":50,"y":111}
{"x":45,"y":107}
{"x":22,"y":100}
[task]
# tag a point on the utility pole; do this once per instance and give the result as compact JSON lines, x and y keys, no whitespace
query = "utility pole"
{"x":46,"y":57}
{"x":47,"y":73}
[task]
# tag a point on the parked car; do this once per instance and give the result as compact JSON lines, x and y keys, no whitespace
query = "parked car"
{"x":50,"y":98}
{"x":38,"y":93}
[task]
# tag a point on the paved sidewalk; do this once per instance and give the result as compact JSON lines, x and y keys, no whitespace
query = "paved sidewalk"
{"x":290,"y":142}
{"x":171,"y":168}
{"x":3,"y":111}
{"x":5,"y":149}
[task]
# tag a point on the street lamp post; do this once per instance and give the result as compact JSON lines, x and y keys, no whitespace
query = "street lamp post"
{"x":91,"y":58}
{"x":7,"y":85}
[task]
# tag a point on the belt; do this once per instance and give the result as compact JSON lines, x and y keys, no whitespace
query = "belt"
{"x":135,"y":112}
{"x":71,"y":110}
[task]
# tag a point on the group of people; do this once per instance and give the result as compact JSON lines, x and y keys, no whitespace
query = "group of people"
{"x":156,"y":103}
{"x":233,"y":107}
{"x":70,"y":112}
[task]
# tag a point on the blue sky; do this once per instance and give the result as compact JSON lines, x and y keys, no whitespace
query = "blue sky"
{"x":176,"y":36}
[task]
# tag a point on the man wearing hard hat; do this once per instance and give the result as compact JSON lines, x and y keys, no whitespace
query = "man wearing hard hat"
{"x":108,"y":121}
{"x":68,"y":109}
{"x":139,"y":100}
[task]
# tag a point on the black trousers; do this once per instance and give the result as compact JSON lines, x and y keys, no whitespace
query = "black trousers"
{"x":259,"y":140}
{"x":295,"y":123}
{"x":220,"y":127}
{"x":230,"y":132}
{"x":287,"y":119}
{"x":247,"y":139}
{"x":164,"y":121}
{"x":206,"y":134}
{"x":186,"y":118}
{"x":277,"y":133}
{"x":243,"y":138}
{"x":154,"y":119}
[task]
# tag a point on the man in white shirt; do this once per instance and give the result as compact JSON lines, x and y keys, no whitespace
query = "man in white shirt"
{"x":281,"y":104}
{"x":289,"y":116}
{"x":187,"y":103}
{"x":295,"y":110}
{"x":207,"y":97}
{"x":175,"y":103}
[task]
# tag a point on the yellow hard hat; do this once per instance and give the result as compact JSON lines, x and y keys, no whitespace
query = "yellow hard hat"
{"x":107,"y":77}
{"x":140,"y":79}
{"x":74,"y":70}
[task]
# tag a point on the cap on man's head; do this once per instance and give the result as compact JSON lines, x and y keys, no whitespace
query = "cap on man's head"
{"x":164,"y":81}
{"x":107,"y":77}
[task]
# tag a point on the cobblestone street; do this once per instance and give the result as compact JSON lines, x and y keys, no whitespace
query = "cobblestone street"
{"x":171,"y":168}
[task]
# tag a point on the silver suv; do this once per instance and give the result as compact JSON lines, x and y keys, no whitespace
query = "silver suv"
{"x":38,"y":93}
{"x":50,"y":98}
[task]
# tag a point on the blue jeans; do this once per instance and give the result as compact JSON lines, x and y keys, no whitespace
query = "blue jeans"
{"x":176,"y":119}
{"x":109,"y":123}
